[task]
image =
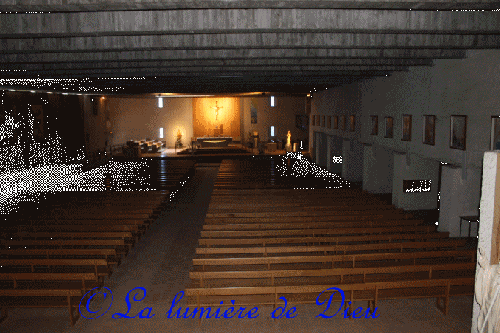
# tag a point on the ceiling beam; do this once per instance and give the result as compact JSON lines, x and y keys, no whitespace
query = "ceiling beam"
{"x":263,"y":75}
{"x":234,"y":54}
{"x":246,"y":21}
{"x":491,"y":42}
{"x":221,"y":64}
{"x":107,"y":5}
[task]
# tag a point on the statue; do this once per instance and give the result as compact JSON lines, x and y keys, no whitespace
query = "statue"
{"x":217,"y":108}
{"x":288,"y":146}
{"x":178,"y":143}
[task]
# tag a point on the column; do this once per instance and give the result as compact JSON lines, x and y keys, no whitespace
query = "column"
{"x":378,"y":165}
{"x":458,"y":197}
{"x":352,"y":160}
{"x":487,"y":271}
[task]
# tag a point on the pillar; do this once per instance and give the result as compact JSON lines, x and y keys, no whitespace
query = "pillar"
{"x":458,"y":197}
{"x":352,"y":160}
{"x":378,"y":164}
{"x":487,"y":268}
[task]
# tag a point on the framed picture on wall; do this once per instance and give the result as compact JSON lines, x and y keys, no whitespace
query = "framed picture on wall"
{"x":329,"y":121}
{"x":495,"y":133}
{"x":335,"y":122}
{"x":406,"y":128}
{"x":458,"y":132}
{"x":429,"y":130}
{"x":342,"y":123}
{"x":352,"y":123}
{"x":389,"y":125}
{"x":322,"y":121}
{"x":374,"y":121}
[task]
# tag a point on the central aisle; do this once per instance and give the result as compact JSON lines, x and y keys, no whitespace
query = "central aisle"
{"x":159,"y":262}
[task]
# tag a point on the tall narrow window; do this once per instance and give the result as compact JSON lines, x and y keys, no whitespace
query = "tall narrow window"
{"x":161,"y":132}
{"x":272,"y":101}
{"x":272,"y":130}
{"x":160,"y":102}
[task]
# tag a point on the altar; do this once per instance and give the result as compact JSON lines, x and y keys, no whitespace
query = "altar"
{"x":214,"y":141}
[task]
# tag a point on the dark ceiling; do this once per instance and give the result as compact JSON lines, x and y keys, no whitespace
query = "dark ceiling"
{"x":169,"y":46}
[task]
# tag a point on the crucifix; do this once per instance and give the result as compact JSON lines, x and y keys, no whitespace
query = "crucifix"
{"x":217,"y":108}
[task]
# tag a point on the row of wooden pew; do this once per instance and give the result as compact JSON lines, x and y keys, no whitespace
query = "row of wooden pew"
{"x":260,"y":244}
{"x":53,"y":256}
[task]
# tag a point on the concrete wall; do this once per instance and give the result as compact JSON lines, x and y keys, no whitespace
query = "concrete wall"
{"x":378,"y":168}
{"x":282,"y":116}
{"x":352,"y":160}
{"x":459,"y":197}
{"x":468,"y":87}
{"x":140,"y":118}
{"x":417,"y":168}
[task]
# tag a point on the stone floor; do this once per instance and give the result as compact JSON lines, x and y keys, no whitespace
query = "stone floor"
{"x":160,"y":263}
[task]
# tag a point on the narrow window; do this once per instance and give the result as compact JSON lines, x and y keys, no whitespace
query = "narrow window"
{"x":272,"y":131}
{"x":161,"y":132}
{"x":272,"y":101}
{"x":160,"y":102}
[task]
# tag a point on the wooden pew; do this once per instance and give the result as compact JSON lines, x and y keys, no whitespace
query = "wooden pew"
{"x":110,"y":255}
{"x":348,"y":260}
{"x":313,"y":232}
{"x":316,"y":240}
{"x":269,"y":250}
{"x":35,"y":298}
{"x":365,"y":274}
{"x":100,"y":267}
{"x":119,"y":245}
{"x":441,"y":289}
{"x":310,"y":225}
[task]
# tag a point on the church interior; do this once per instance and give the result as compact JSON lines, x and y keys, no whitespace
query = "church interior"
{"x":236,"y":166}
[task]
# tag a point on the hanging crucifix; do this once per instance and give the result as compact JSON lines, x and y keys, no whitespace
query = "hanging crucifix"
{"x":217,"y":108}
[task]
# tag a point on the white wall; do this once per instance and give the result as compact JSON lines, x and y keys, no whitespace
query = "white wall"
{"x":378,"y":168}
{"x":418,"y":168}
{"x":352,"y":160}
{"x":140,"y":118}
{"x":459,"y":197}
{"x":468,"y":86}
{"x":282,"y":116}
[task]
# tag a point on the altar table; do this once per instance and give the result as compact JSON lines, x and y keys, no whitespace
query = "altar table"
{"x":214,"y":141}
